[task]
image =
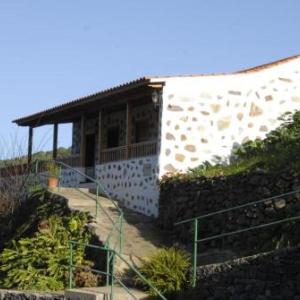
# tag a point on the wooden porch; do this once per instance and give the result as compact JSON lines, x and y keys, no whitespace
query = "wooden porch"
{"x":123,"y":99}
{"x":117,"y":153}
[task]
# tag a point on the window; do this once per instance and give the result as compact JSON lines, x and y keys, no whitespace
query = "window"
{"x":142,"y":132}
{"x":113,"y":136}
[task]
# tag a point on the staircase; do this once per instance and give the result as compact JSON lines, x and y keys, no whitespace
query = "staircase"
{"x":127,"y":236}
{"x":141,"y":237}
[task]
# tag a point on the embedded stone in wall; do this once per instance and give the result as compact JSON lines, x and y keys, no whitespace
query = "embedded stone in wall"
{"x":174,"y":108}
{"x":250,"y":125}
{"x":224,"y":123}
{"x":183,"y":137}
{"x":179,"y":157}
{"x":296,"y":99}
{"x":168,"y":151}
{"x":170,"y":136}
{"x":263,"y":128}
{"x":240,"y":116}
{"x":184,"y":119}
{"x":236,"y":93}
{"x":269,"y":98}
{"x":201,"y":129}
{"x":205,"y":113}
{"x":190,"y":148}
{"x":215,"y":107}
{"x":255,"y":110}
{"x":205,"y":95}
{"x":245,"y":140}
{"x":169,"y":168}
{"x":204,"y":141}
{"x":285,"y":79}
{"x":191,"y":108}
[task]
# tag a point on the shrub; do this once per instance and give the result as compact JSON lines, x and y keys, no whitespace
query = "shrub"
{"x":84,"y":277}
{"x":41,"y":262}
{"x":167,"y":270}
{"x":52,"y":169}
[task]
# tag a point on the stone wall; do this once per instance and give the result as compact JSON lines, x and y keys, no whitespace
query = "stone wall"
{"x":274,"y":275}
{"x":17,"y":295}
{"x":182,"y":199}
{"x":133,"y":182}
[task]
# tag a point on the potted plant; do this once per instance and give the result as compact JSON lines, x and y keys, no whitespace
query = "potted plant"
{"x":53,"y":175}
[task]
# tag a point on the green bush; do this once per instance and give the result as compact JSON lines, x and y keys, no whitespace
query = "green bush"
{"x":84,"y":277}
{"x":52,"y":169}
{"x":41,"y":262}
{"x":167,"y":270}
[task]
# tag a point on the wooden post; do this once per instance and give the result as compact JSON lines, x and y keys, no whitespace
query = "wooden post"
{"x":82,"y":141}
{"x":55,"y":141}
{"x":128,"y":128}
{"x":99,"y":136}
{"x":30,"y":143}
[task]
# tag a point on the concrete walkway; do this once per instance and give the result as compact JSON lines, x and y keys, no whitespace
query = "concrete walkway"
{"x":141,"y":237}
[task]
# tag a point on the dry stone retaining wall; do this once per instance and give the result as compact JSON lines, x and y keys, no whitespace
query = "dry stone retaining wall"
{"x":269,"y":276}
{"x":185,"y":199}
{"x":17,"y":295}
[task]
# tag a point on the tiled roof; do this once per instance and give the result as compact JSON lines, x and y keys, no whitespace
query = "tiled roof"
{"x":81,"y":100}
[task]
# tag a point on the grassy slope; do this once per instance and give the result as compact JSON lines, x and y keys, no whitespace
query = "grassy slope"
{"x":42,"y":155}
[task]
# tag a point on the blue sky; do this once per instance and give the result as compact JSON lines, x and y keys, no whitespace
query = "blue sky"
{"x":54,"y":51}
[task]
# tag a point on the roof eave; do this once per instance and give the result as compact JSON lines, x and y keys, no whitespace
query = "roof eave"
{"x":144,"y":81}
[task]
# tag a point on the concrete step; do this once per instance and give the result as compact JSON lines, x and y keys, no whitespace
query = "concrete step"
{"x":141,"y":237}
{"x":104,"y":293}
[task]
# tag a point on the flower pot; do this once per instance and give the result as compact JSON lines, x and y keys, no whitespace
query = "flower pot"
{"x":52,"y":182}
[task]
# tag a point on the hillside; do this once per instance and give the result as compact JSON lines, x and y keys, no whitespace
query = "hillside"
{"x":42,"y":155}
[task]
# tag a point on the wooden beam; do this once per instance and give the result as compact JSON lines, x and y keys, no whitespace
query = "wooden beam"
{"x":55,"y":140}
{"x":99,"y":137}
{"x":68,"y":115}
{"x":128,"y":128}
{"x":30,"y":144}
{"x":82,"y":141}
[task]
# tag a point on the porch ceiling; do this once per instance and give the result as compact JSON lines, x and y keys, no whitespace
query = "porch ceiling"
{"x":135,"y":90}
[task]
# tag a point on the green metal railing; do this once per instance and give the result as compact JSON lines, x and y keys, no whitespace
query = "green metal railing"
{"x":109,"y":273}
{"x":117,"y":228}
{"x":196,"y":220}
{"x":112,"y":251}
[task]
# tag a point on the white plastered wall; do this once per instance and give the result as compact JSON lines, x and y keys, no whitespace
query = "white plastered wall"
{"x":206,"y":116}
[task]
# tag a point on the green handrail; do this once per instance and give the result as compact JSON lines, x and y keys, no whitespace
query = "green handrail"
{"x":195,"y":222}
{"x":110,"y":274}
{"x":111,"y":254}
{"x":117,"y":226}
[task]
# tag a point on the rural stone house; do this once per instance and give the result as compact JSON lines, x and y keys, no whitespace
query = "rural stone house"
{"x":131,"y":135}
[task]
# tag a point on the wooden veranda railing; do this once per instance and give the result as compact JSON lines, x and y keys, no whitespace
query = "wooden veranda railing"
{"x":129,"y":151}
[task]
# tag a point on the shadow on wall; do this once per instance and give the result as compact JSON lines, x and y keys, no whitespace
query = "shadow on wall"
{"x":273,"y":275}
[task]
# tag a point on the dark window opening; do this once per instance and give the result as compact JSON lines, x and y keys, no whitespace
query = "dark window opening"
{"x":113,"y":137}
{"x":142,"y":132}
